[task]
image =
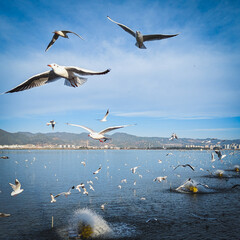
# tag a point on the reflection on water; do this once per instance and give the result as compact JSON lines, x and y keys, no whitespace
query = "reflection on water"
{"x":139,"y":209}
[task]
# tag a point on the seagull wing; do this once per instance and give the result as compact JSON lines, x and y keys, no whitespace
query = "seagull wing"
{"x":112,"y":128}
{"x":156,"y":37}
{"x":66,"y":31}
{"x":188,"y":165}
{"x":105,"y":117}
{"x":176,"y":167}
{"x":36,"y":81}
{"x":86,"y":128}
{"x":54,"y":38}
{"x":82,"y":71}
{"x":125,"y":28}
{"x":13,"y":186}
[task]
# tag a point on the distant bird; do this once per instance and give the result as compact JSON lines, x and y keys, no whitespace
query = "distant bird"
{"x":124,"y":180}
{"x":219,"y":154}
{"x":80,"y":185}
{"x":91,"y":187}
{"x":4,"y":157}
{"x":99,"y":135}
{"x":142,"y":38}
{"x":103,"y":206}
{"x":53,"y":197}
{"x":83,"y":163}
{"x":169,"y":154}
{"x":119,"y":186}
{"x":16,"y":188}
{"x":174,"y":136}
{"x":66,"y":194}
{"x":159,"y":161}
{"x":160,"y":179}
{"x":152,"y":220}
{"x":184,"y":165}
{"x":62,"y":33}
{"x":97,"y":171}
{"x":5,"y":215}
{"x":212,"y":157}
{"x":104,"y":119}
{"x":90,"y":182}
{"x":57,"y":72}
{"x":51,"y":123}
{"x":134,"y":169}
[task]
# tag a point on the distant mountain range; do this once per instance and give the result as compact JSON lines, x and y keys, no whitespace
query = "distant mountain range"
{"x":121,"y":140}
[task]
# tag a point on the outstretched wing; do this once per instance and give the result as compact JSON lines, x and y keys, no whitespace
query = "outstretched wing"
{"x":66,"y":31}
{"x":125,"y":28}
{"x":154,"y":37}
{"x":36,"y":81}
{"x":112,"y":128}
{"x":54,"y":38}
{"x":86,"y":128}
{"x":82,"y":71}
{"x":190,"y":166}
{"x":176,"y":167}
{"x":105,"y":117}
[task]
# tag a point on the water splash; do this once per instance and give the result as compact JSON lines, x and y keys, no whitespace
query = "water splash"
{"x":89,"y":224}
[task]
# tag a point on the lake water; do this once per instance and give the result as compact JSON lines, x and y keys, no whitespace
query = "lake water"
{"x":144,"y":210}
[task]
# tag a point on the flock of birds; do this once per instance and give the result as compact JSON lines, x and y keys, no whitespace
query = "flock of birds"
{"x":69,"y":72}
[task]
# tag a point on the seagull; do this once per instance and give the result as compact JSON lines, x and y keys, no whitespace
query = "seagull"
{"x":63,"y":193}
{"x":134,"y":169}
{"x":159,"y":161}
{"x":103,"y":206}
{"x":142,"y":38}
{"x":99,"y":135}
{"x":4,"y":157}
{"x":16,"y":188}
{"x":97,"y":171}
{"x":90,"y":182}
{"x":104,"y":119}
{"x":160,"y":179}
{"x":212,"y":157}
{"x":83,"y":163}
{"x":174,"y":136}
{"x":51,"y":123}
{"x":169,"y":154}
{"x":124,"y":180}
{"x":63,"y":34}
{"x":219,"y":154}
{"x":57,"y":72}
{"x":91,"y":187}
{"x":185,"y":165}
{"x":5,"y":215}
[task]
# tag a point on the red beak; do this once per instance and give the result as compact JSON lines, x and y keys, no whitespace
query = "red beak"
{"x":49,"y":65}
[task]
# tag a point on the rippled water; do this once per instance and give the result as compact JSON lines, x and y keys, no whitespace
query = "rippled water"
{"x":147,"y":210}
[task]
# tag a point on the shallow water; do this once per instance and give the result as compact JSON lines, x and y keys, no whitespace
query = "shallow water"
{"x":178,"y":216}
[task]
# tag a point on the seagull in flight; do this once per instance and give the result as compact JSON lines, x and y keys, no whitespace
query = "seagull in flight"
{"x":174,"y":136}
{"x":185,"y":165}
{"x":63,"y":193}
{"x":134,"y":169}
{"x":219,"y":154}
{"x":212,"y":157}
{"x":97,"y":171}
{"x":142,"y":38}
{"x":51,"y":123}
{"x":57,"y":72}
{"x":99,"y":135}
{"x":16,"y":188}
{"x":104,"y":119}
{"x":57,"y":34}
{"x":160,"y":179}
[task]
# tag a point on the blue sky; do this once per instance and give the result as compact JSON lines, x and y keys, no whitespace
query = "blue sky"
{"x":188,"y":84}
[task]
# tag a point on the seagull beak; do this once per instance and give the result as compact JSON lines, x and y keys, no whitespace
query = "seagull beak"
{"x":49,"y":65}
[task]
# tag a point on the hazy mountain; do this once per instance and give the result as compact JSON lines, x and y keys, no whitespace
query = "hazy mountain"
{"x":122,"y":140}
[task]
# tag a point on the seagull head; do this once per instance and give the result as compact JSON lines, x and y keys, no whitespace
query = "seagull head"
{"x":53,"y":65}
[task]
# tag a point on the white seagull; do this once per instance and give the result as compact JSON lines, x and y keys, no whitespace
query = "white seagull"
{"x":219,"y":154}
{"x":142,"y":38}
{"x":212,"y":157}
{"x":98,"y":135}
{"x":174,"y":136}
{"x":63,"y":193}
{"x":51,"y":123}
{"x":62,"y":33}
{"x":104,"y":119}
{"x":57,"y":72}
{"x":80,"y":185}
{"x":134,"y":169}
{"x":160,"y":179}
{"x":97,"y":171}
{"x":184,"y":165}
{"x":16,"y":188}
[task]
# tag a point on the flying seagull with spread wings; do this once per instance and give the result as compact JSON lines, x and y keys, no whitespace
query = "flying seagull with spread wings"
{"x":16,"y":188}
{"x":185,"y":165}
{"x":142,"y":38}
{"x":99,"y":135}
{"x":57,"y":72}
{"x":52,"y":123}
{"x":57,"y":34}
{"x":104,"y":119}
